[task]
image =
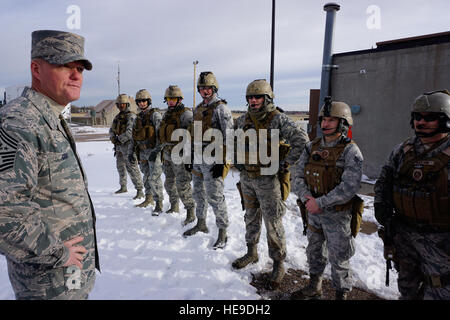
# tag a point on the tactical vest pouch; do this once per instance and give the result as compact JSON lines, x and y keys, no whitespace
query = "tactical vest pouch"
{"x":284,"y":176}
{"x":138,"y":131}
{"x":226,"y":169}
{"x":119,"y":125}
{"x":151,"y":136}
{"x":357,"y":212}
{"x":317,"y":179}
{"x":421,"y":193}
{"x":165,"y":132}
{"x":170,"y":122}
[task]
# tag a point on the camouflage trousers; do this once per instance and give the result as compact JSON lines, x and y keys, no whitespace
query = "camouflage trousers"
{"x":262,"y":198}
{"x":123,"y":166}
{"x":178,"y":184}
{"x":334,"y":243}
{"x":419,"y":256}
{"x":208,"y":190}
{"x":37,"y":283}
{"x":151,"y":171}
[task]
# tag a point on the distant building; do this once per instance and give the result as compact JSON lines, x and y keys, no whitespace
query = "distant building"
{"x":381,"y":84}
{"x":111,"y":110}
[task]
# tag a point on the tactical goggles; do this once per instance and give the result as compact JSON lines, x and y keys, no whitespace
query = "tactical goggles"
{"x":171,"y":99}
{"x":256,"y":96}
{"x":141,"y":100}
{"x":428,"y":117}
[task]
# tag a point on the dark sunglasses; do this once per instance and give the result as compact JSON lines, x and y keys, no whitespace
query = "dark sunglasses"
{"x":141,"y":100}
{"x":428,"y":117}
{"x":256,"y":96}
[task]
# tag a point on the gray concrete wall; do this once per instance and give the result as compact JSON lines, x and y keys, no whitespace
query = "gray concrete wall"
{"x":385,"y":90}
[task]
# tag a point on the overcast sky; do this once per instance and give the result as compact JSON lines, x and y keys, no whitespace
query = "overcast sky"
{"x":156,"y":41}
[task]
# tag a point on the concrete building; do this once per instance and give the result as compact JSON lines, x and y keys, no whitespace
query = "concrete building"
{"x":111,"y":111}
{"x":381,"y":84}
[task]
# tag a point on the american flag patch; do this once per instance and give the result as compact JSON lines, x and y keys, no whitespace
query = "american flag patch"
{"x":8,"y":148}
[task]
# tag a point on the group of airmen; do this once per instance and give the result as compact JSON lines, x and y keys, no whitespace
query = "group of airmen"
{"x":47,"y":220}
{"x":326,"y":177}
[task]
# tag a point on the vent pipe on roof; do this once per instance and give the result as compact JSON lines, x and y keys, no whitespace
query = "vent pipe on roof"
{"x":331,"y":9}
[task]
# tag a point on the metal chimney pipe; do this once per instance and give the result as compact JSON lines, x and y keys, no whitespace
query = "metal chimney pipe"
{"x":272,"y":47}
{"x":331,"y":9}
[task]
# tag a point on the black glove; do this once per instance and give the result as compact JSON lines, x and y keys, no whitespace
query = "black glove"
{"x":116,"y":141}
{"x":240,"y":167}
{"x":217,"y":170}
{"x":132,"y":158}
{"x":188,"y":167}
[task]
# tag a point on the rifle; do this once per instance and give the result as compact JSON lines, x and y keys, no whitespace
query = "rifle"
{"x":154,"y":153}
{"x":238,"y":185}
{"x":387,"y":233}
{"x":304,"y":214}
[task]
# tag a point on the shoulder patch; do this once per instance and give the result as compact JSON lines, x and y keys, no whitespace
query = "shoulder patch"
{"x":8,"y":149}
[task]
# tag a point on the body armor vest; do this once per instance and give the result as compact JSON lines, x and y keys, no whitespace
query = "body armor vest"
{"x":170,"y":122}
{"x":119,"y":125}
{"x":204,"y":113}
{"x":321,"y":173}
{"x":144,"y":132}
{"x":254,"y":170}
{"x":420,"y":190}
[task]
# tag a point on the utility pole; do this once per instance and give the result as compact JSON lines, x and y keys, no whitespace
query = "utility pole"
{"x":272,"y":56}
{"x":118,"y":78}
{"x":195,"y":75}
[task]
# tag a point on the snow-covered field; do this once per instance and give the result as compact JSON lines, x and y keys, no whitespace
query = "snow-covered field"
{"x":146,"y":257}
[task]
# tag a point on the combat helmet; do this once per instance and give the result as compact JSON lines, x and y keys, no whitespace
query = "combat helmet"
{"x":123,"y":98}
{"x":207,"y":79}
{"x":143,"y":94}
{"x":339,"y":110}
{"x":434,"y":101}
{"x":260,"y":87}
{"x":173,"y":91}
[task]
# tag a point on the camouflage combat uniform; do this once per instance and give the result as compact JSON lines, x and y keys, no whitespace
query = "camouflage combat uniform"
{"x":144,"y":141}
{"x":206,"y":188}
{"x":44,"y":202}
{"x":422,"y":250}
{"x":262,"y":193}
{"x":177,"y":179}
{"x":329,"y":233}
{"x":120,"y":134}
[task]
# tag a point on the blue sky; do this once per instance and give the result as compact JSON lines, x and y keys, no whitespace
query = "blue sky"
{"x":156,"y":42}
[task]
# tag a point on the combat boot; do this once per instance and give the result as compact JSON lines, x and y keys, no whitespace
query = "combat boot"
{"x":340,"y":295}
{"x":190,"y":216}
{"x":312,"y":291}
{"x":277,"y":275}
{"x":139,"y":194}
{"x":148,"y":200}
{"x":121,"y":190}
{"x":200,"y":226}
{"x":158,"y":208}
{"x":250,"y":257}
{"x":221,"y":239}
{"x":174,"y":208}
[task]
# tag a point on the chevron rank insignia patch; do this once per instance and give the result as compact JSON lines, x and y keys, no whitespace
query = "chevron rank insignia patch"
{"x":8,"y":149}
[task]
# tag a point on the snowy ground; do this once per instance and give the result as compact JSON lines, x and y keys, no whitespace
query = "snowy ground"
{"x":146,"y":257}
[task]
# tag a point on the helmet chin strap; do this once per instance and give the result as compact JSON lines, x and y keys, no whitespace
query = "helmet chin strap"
{"x":339,"y":129}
